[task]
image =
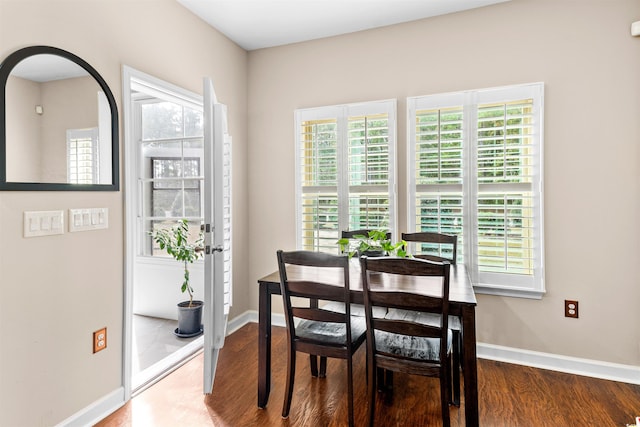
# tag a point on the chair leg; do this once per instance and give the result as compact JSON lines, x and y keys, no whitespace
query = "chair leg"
{"x":388,"y":379}
{"x":288,"y":391}
{"x":380,"y":379}
{"x":372,"y":374}
{"x":323,"y":367}
{"x":313,"y":364}
{"x":350,"y":389}
{"x":461,"y":341}
{"x":445,"y":392}
{"x":456,"y":368}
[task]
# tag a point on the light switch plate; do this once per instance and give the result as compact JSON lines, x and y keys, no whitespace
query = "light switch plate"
{"x":88,"y":219}
{"x":43,"y":223}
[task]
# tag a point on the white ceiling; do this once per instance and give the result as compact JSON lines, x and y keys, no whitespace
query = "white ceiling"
{"x":255,"y":24}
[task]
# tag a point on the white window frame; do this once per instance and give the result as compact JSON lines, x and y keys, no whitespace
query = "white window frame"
{"x":342,"y":113}
{"x":504,"y":284}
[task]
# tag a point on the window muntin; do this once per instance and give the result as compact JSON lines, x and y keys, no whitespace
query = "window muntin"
{"x":476,"y":160}
{"x":345,"y":171}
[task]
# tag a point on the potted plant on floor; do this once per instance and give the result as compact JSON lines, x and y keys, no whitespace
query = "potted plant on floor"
{"x":175,"y":241}
{"x":375,"y":243}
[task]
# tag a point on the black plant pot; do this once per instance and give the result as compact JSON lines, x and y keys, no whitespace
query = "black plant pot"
{"x":373,"y":253}
{"x":189,"y":319}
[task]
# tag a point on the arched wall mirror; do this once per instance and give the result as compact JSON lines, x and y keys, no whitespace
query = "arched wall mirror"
{"x":58,"y":124}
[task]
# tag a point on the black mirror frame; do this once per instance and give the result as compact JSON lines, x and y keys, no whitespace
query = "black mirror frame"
{"x":5,"y":69}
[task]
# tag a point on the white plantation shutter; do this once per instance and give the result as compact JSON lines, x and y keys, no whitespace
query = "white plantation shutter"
{"x":368,"y":172}
{"x":345,"y":171}
{"x":437,"y":162}
{"x":83,"y":158}
{"x":226,"y":220}
{"x":476,"y":171}
{"x":318,"y":154}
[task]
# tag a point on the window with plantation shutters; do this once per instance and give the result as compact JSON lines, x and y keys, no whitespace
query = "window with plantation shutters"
{"x":475,"y":162}
{"x":345,"y":171}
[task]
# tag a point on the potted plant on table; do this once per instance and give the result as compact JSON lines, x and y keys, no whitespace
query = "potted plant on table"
{"x":375,"y":243}
{"x":175,"y":241}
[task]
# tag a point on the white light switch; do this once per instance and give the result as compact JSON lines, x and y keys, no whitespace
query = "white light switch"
{"x":57,"y":222}
{"x":43,"y":223}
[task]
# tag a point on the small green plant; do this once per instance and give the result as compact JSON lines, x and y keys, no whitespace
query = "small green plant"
{"x":374,"y":241}
{"x":175,"y":241}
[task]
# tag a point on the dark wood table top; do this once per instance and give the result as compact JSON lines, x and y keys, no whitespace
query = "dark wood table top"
{"x":460,"y":288}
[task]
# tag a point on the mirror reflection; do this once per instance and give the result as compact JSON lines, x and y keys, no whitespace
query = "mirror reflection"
{"x":57,"y":123}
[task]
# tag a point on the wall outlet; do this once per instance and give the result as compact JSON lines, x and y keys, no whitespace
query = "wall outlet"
{"x":571,"y":308}
{"x":100,"y":340}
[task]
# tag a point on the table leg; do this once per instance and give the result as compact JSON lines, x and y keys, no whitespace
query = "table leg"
{"x":264,"y":345}
{"x":470,"y":366}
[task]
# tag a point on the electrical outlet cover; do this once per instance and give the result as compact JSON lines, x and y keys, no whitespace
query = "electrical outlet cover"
{"x":99,"y":340}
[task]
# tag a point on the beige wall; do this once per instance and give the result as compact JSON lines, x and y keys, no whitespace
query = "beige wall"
{"x":55,"y":291}
{"x":23,"y":130}
{"x":583,"y":52}
{"x":61,"y":112}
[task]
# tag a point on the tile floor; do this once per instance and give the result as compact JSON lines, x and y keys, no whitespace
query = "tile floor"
{"x":154,"y":340}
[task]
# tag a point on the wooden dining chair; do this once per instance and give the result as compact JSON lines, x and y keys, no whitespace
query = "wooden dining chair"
{"x":409,"y":344}
{"x":314,"y":330}
{"x":440,"y":241}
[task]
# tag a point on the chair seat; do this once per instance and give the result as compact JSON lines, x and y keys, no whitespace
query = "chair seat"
{"x":432,"y":319}
{"x":332,"y":333}
{"x":410,"y":346}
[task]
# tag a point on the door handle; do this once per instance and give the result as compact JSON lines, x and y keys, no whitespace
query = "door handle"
{"x":208,"y":249}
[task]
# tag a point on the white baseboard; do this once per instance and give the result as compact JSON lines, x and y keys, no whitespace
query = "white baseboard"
{"x":555,"y":362}
{"x":251,"y":316}
{"x":97,"y":411}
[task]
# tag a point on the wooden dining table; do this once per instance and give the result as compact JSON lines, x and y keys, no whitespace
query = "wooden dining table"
{"x":462,"y":303}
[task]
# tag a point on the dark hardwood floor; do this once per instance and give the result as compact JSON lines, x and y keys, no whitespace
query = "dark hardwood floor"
{"x":510,"y":395}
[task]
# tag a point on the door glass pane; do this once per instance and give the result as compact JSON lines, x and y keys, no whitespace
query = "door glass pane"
{"x":161,"y":120}
{"x":172,"y":151}
{"x":192,"y":122}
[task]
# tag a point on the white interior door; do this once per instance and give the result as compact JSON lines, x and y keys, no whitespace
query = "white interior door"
{"x":217,"y":220}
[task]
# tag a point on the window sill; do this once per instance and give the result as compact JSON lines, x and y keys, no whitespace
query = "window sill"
{"x":509,"y":292}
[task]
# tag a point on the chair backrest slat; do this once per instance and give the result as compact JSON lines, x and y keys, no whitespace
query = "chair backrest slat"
{"x":312,"y":289}
{"x":402,"y":327}
{"x":437,"y":238}
{"x":318,"y":315}
{"x":399,"y":300}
